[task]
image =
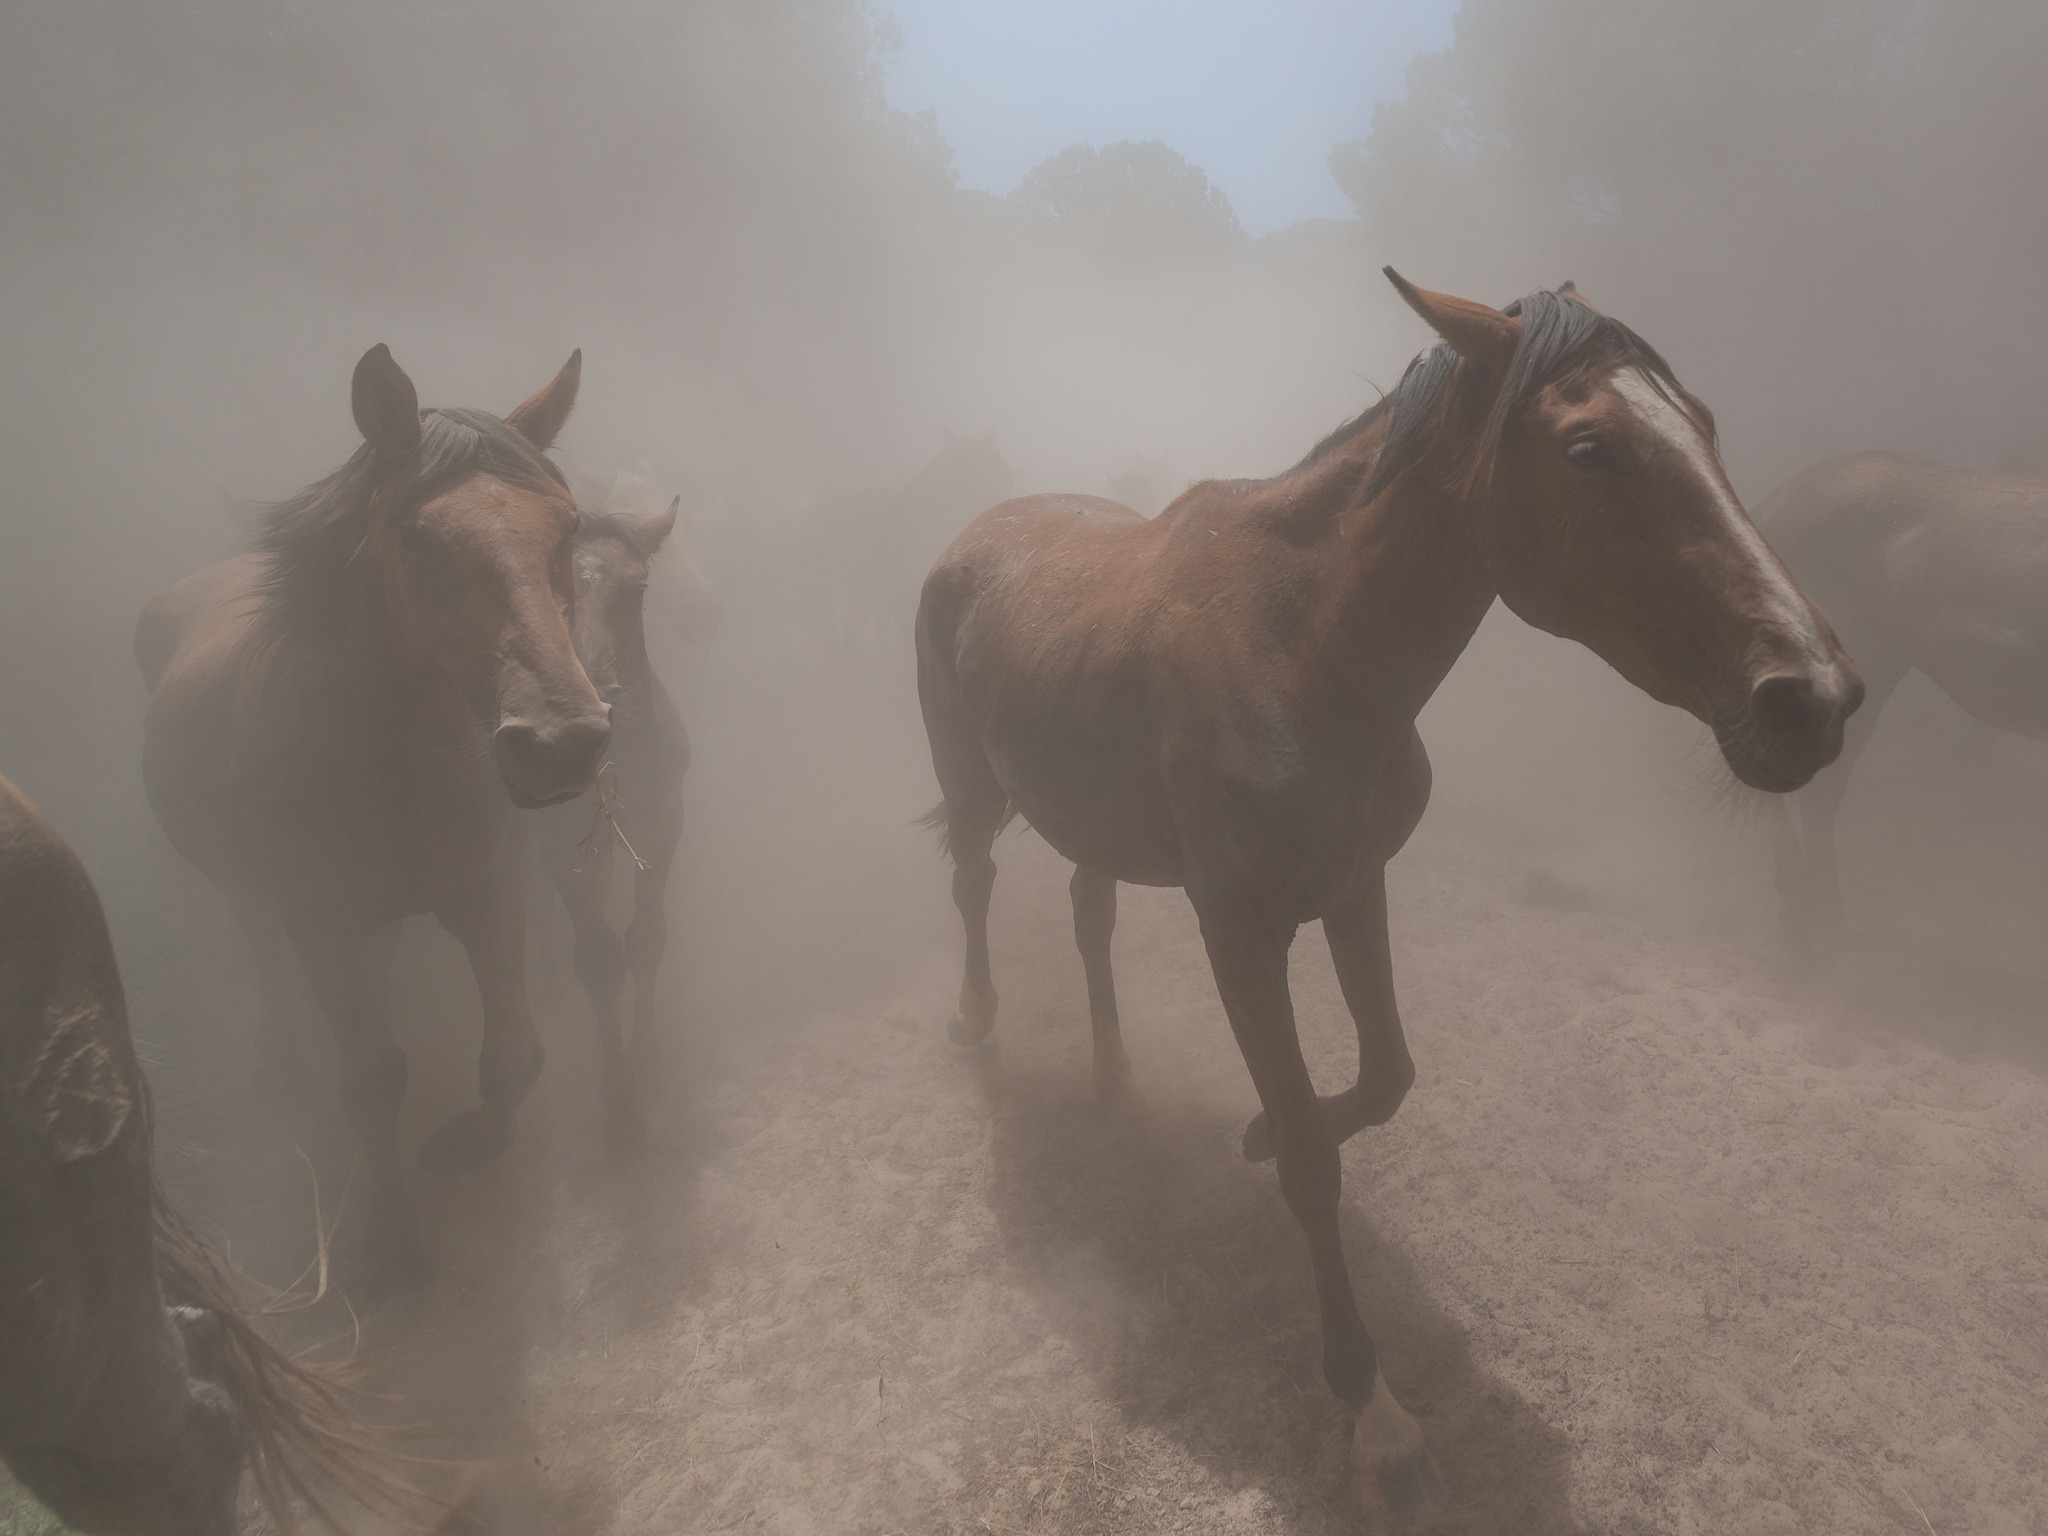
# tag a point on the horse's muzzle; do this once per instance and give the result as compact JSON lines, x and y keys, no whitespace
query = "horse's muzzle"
{"x":545,"y":764}
{"x":1790,"y":726}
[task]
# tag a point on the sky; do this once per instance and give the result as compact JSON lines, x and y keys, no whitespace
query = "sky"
{"x":1255,"y":92}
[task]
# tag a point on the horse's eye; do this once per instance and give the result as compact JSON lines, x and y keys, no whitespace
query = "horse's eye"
{"x":1588,"y":453}
{"x":413,"y":535}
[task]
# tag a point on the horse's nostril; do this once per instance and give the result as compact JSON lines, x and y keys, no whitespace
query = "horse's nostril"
{"x":1790,"y":705}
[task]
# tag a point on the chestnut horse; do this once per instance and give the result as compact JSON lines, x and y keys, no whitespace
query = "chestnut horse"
{"x":136,"y":1389}
{"x":1223,"y":698}
{"x":1924,"y":566}
{"x":346,"y":723}
{"x":636,"y":806}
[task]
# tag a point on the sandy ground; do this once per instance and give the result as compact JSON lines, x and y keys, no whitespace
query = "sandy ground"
{"x":1664,"y":1240}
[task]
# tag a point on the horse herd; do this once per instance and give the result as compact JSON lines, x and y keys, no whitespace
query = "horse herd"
{"x":432,"y":657}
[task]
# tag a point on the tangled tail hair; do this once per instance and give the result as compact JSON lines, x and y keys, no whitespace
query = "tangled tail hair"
{"x":304,"y":1441}
{"x":939,"y":822}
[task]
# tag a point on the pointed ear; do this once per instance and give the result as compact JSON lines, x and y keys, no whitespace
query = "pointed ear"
{"x":540,"y":416}
{"x":1568,"y":288}
{"x":386,"y":406}
{"x":652,"y":534}
{"x":1476,"y":332}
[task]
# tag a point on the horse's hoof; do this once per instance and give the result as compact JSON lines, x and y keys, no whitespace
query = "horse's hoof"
{"x":1113,"y":1080}
{"x":468,"y":1141}
{"x":963,"y":1031}
{"x":1392,"y":1462}
{"x":1258,"y":1140}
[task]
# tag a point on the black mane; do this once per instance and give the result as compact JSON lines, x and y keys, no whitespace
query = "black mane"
{"x":310,"y":538}
{"x":1561,"y":336}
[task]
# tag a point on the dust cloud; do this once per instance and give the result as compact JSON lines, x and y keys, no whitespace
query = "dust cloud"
{"x":1673,"y":1235}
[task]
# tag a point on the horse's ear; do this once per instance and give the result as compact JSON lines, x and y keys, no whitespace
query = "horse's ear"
{"x":539,"y":418}
{"x":652,"y":534}
{"x":1476,"y":332}
{"x":386,"y":406}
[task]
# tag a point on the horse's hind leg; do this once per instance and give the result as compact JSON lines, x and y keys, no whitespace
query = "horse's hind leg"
{"x":1094,"y":894}
{"x":970,"y":833}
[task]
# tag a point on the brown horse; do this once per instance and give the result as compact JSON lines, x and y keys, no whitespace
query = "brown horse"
{"x":1223,"y":698}
{"x":636,"y":806}
{"x":135,"y":1389}
{"x":346,"y":722}
{"x":1922,"y":565}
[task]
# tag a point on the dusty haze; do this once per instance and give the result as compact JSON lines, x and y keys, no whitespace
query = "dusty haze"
{"x":859,"y":1282}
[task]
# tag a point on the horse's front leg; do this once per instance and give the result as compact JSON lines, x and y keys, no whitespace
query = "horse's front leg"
{"x":491,"y":926}
{"x":1356,"y":928}
{"x":350,"y":977}
{"x":1248,"y":953}
{"x":581,"y":872}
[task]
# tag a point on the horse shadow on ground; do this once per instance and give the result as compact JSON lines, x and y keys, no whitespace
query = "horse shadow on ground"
{"x":1176,"y":1269}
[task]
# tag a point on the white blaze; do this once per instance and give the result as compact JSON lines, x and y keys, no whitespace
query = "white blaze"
{"x":1666,"y":421}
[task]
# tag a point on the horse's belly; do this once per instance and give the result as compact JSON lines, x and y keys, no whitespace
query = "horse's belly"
{"x":1998,"y":675}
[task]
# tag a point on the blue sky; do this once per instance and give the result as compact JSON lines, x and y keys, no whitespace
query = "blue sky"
{"x":1253,"y":91}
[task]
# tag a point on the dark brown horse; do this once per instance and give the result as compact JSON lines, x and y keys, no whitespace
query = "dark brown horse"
{"x":636,"y":807}
{"x":134,"y":1389}
{"x":347,"y":722}
{"x":1925,"y":566}
{"x":1223,"y":698}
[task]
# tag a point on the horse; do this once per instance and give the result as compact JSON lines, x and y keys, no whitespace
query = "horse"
{"x":1923,"y":565}
{"x":136,"y":1389}
{"x":1223,"y":698}
{"x":347,"y":723}
{"x":863,"y":552}
{"x":637,"y":804}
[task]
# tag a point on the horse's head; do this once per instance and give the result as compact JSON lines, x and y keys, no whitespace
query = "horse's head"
{"x":611,"y":558}
{"x":1602,"y":512}
{"x":471,"y":528}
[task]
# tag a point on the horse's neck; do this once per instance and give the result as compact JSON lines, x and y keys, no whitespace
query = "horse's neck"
{"x":1401,"y":587}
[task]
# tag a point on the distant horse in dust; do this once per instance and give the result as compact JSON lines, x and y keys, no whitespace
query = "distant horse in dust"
{"x":134,"y":1390}
{"x":347,"y":722}
{"x":1223,"y":698}
{"x":1925,"y":566}
{"x":860,"y":556}
{"x":636,"y":805}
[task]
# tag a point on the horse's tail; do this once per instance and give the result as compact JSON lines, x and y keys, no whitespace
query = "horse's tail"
{"x":304,"y":1442}
{"x":939,"y":821}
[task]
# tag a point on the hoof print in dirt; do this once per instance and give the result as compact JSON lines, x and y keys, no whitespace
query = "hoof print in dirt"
{"x":468,"y":1141}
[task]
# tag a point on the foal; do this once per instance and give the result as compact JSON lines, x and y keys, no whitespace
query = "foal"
{"x":1224,"y":698}
{"x":636,"y":805}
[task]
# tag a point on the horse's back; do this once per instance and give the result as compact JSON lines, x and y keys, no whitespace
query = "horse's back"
{"x":75,"y":1203}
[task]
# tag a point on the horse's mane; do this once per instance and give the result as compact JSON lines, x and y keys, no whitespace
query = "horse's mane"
{"x":311,"y":538}
{"x":1562,"y":336}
